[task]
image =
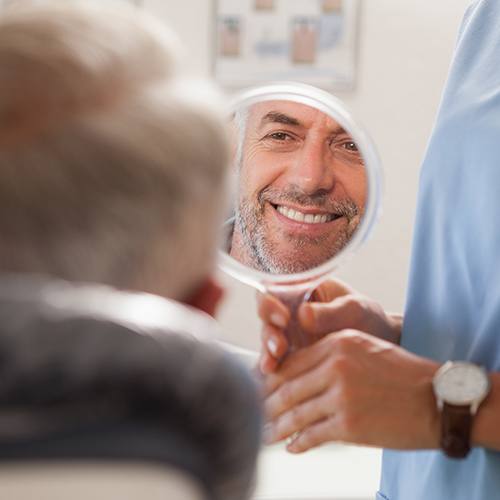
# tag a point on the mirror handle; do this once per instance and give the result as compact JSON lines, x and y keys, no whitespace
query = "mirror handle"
{"x":292,"y":297}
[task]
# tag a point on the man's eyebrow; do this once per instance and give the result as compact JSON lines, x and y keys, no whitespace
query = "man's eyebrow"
{"x":277,"y":117}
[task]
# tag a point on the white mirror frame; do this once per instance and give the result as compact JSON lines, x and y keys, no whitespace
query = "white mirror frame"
{"x":333,"y":107}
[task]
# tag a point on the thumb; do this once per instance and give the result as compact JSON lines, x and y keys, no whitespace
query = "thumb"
{"x":318,"y":318}
{"x":330,"y":290}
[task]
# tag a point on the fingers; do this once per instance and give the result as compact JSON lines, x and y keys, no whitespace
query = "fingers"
{"x":316,"y":319}
{"x":268,"y":364}
{"x":315,"y":435}
{"x":322,"y":315}
{"x":299,"y":417}
{"x":322,"y":318}
{"x":275,"y":316}
{"x":330,"y":290}
{"x":274,"y":341}
{"x":296,"y":391}
{"x":296,"y":364}
{"x":271,"y":310}
{"x":274,"y":347}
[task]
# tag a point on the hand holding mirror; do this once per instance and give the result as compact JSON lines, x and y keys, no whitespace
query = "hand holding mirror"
{"x":306,"y":183}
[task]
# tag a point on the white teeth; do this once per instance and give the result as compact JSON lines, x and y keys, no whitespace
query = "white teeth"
{"x":298,"y":216}
{"x":292,"y":214}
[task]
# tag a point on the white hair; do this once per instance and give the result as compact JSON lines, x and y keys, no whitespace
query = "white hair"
{"x":241,"y":122}
{"x":111,"y":166}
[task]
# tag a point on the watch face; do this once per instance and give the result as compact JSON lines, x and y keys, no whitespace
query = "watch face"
{"x":461,"y":383}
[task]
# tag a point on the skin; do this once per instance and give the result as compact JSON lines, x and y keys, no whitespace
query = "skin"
{"x":206,"y":297}
{"x":296,"y":157}
{"x":354,"y":383}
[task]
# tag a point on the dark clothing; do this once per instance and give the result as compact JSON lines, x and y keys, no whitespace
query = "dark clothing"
{"x":89,"y":372}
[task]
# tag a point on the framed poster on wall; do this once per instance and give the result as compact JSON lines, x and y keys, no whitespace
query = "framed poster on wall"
{"x":312,"y":41}
{"x":6,"y":3}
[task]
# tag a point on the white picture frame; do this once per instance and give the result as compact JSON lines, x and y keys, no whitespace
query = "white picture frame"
{"x":6,"y":3}
{"x":310,"y":41}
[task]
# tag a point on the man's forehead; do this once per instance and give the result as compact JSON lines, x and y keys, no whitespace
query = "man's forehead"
{"x":291,"y":113}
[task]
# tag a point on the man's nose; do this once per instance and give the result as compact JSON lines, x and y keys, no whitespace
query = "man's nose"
{"x":311,"y":170}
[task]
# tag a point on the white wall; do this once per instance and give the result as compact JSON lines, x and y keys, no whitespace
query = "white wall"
{"x":405,"y":51}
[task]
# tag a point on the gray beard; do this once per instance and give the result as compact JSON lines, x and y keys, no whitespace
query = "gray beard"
{"x":249,"y":220}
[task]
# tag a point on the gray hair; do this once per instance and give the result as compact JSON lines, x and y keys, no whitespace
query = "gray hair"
{"x":111,"y":166}
{"x":241,"y":123}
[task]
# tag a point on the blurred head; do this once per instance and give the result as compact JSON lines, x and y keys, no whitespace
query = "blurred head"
{"x":302,"y":187}
{"x":111,"y":165}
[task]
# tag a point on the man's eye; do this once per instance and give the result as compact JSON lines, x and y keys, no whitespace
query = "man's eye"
{"x":350,"y":146}
{"x":280,"y":136}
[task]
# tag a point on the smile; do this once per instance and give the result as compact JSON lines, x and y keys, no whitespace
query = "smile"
{"x":309,"y":218}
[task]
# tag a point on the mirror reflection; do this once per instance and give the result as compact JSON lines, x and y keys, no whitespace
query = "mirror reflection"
{"x":301,"y":187}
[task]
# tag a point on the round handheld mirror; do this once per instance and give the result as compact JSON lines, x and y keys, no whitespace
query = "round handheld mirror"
{"x":306,"y":184}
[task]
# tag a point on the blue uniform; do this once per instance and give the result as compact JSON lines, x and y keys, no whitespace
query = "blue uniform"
{"x":453,"y":308}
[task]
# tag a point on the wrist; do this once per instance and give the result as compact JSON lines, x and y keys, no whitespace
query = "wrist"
{"x":422,"y":422}
{"x":485,"y":422}
{"x":430,"y":418}
{"x":460,"y":387}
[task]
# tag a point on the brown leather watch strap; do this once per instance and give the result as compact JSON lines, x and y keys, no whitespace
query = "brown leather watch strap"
{"x":456,"y":423}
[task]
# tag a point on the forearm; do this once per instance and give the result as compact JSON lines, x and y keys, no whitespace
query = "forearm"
{"x":421,"y":371}
{"x":485,"y":429}
{"x":486,"y":423}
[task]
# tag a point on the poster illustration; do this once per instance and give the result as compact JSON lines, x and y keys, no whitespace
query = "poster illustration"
{"x":313,"y":41}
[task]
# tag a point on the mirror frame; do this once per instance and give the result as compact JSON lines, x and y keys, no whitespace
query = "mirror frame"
{"x":333,"y":107}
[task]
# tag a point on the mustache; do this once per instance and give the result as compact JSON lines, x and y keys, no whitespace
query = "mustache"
{"x":344,"y":207}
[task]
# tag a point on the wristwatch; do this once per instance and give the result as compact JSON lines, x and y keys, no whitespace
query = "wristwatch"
{"x":459,"y":388}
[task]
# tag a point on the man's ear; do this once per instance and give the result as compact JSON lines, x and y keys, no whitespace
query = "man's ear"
{"x":206,"y":297}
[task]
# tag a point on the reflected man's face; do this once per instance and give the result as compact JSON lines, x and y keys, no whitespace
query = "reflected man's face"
{"x":302,"y":188}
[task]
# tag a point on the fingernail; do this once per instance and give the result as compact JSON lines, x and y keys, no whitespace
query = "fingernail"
{"x":273,"y":347}
{"x":278,"y":320}
{"x":291,"y":443}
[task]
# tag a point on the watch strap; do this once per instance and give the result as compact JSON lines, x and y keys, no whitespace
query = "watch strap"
{"x":456,"y":423}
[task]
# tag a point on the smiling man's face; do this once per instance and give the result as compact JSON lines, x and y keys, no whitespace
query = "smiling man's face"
{"x":302,"y":188}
